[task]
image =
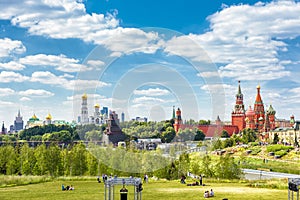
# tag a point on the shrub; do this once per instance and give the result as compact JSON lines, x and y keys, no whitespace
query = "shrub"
{"x":278,"y":147}
{"x":280,"y":153}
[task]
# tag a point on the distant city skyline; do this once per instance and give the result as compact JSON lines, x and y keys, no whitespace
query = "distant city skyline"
{"x":192,"y":57}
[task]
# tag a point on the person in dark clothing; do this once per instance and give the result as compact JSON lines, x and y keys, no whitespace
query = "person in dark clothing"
{"x":200,"y":179}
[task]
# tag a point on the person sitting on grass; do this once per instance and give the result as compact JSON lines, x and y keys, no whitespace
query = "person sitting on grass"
{"x":63,"y":187}
{"x":211,"y":193}
{"x":206,"y":194}
{"x":71,"y":188}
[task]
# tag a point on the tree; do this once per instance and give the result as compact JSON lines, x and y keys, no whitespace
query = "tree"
{"x":224,"y":134}
{"x":199,"y":135}
{"x":79,"y":164}
{"x":206,"y":166}
{"x":168,"y":135}
{"x":249,"y":135}
{"x":204,"y":122}
{"x":53,"y":160}
{"x":27,"y":159}
{"x":226,"y":168}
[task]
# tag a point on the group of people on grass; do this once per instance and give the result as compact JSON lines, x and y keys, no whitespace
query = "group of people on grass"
{"x":208,"y":194}
{"x":63,"y":188}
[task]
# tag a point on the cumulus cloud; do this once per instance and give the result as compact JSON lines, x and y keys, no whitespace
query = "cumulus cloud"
{"x":246,"y":40}
{"x":147,"y":100}
{"x":23,"y":99}
{"x":12,"y":65}
{"x":152,"y":92}
{"x":60,"y":62}
{"x":48,"y":18}
{"x":36,"y":93}
{"x":46,"y":77}
{"x":6,"y":91}
{"x":9,"y":47}
{"x":8,"y":76}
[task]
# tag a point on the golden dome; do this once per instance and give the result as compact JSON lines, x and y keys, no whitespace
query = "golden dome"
{"x":84,"y":96}
{"x":97,"y":105}
{"x":34,"y":116}
{"x":49,"y":117}
{"x":258,"y":86}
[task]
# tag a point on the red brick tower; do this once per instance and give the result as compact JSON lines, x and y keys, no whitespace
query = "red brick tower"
{"x":271,"y":117}
{"x":238,"y":114}
{"x":250,"y":114}
{"x":178,"y":120}
{"x":259,"y":110}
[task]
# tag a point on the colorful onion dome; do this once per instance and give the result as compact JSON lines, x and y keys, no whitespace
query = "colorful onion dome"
{"x":250,"y":112}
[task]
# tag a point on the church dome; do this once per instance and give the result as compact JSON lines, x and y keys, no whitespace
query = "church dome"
{"x":271,"y":110}
{"x":84,"y":96}
{"x":261,"y":119}
{"x":48,"y":117}
{"x":250,"y":112}
{"x":97,"y":105}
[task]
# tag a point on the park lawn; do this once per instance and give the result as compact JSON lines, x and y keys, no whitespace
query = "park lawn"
{"x":154,"y":190}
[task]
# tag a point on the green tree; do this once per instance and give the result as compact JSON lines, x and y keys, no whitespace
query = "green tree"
{"x":79,"y":164}
{"x":249,"y":135}
{"x":200,"y":136}
{"x":204,"y":122}
{"x":226,"y":168}
{"x":40,"y":154}
{"x":207,"y":167}
{"x":27,"y":159}
{"x":224,"y":134}
{"x":168,"y":135}
{"x":53,"y":160}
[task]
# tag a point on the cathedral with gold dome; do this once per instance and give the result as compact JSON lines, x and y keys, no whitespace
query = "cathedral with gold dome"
{"x":99,"y":116}
{"x":35,"y":121}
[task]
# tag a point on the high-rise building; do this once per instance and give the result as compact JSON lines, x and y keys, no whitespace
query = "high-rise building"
{"x":3,"y":129}
{"x":18,"y":123}
{"x":123,"y":117}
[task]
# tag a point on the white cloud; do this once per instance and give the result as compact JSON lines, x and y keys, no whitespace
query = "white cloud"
{"x":8,"y":46}
{"x":6,"y":77}
{"x":152,"y":92}
{"x":96,"y":64}
{"x":147,"y":100}
{"x":49,"y":18}
{"x":6,"y":91}
{"x":209,"y":74}
{"x":216,"y":88}
{"x":49,"y":78}
{"x":23,"y":99}
{"x":246,"y":40}
{"x":36,"y":93}
{"x":60,"y":62}
{"x":12,"y":65}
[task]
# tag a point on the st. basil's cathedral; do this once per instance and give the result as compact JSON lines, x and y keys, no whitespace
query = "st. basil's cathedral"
{"x":256,"y":119}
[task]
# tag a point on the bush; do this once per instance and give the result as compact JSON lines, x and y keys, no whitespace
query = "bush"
{"x":280,"y":153}
{"x":278,"y":147}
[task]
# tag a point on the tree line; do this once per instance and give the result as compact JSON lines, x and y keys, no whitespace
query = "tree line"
{"x":81,"y":160}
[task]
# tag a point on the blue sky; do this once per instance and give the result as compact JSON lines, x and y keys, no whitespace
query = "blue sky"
{"x":143,"y":57}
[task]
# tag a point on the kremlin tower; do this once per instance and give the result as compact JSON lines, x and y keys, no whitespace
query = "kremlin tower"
{"x":178,"y":120}
{"x":238,"y":114}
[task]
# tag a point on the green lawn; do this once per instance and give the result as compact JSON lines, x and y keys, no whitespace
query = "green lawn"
{"x":157,"y":190}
